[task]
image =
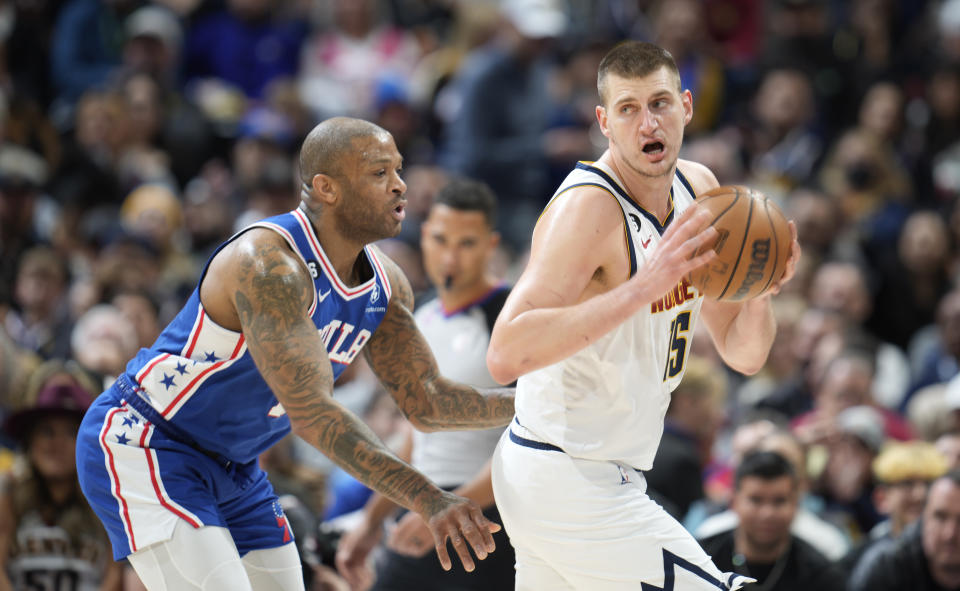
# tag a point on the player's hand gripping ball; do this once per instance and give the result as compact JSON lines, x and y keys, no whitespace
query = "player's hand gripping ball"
{"x":753,"y":244}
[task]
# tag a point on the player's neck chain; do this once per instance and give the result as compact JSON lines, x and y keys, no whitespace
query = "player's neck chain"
{"x":740,"y":567}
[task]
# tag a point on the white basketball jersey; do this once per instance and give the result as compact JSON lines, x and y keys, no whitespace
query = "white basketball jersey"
{"x":607,"y":402}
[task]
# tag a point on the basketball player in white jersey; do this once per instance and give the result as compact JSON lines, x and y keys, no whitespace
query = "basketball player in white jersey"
{"x":597,"y":330}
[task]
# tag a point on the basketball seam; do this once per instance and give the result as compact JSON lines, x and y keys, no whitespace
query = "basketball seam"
{"x":699,"y":251}
{"x":736,"y":264}
{"x":776,"y":245}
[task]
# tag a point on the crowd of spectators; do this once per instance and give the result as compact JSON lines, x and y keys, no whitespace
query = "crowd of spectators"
{"x":136,"y":136}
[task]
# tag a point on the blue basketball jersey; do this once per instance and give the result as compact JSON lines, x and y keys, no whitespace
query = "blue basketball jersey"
{"x":200,"y":378}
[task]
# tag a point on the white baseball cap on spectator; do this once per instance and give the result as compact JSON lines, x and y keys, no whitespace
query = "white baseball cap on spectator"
{"x":952,"y":394}
{"x":155,"y":22}
{"x":536,"y":19}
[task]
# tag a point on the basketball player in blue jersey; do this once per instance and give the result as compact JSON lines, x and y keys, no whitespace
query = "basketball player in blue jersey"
{"x":597,"y":330}
{"x":167,"y":455}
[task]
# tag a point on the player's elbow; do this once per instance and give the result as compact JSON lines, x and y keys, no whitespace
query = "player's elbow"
{"x":501,"y":367}
{"x":748,"y":367}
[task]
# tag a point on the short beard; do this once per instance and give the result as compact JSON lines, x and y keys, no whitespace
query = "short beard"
{"x":354,"y":222}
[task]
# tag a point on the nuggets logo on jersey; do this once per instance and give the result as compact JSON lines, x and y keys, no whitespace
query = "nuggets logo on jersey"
{"x":675,"y":297}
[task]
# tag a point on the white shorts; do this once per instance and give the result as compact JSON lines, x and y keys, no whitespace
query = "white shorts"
{"x":585,"y":524}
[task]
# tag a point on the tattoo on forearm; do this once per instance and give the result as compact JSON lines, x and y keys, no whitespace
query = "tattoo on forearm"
{"x":272,"y":300}
{"x":403,"y":362}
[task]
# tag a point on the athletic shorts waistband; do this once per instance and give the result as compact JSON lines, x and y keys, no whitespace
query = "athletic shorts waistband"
{"x":134,"y":396}
{"x":526,"y":441}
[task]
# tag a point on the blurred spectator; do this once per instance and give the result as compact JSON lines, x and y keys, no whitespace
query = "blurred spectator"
{"x":782,"y":361}
{"x":394,"y":112}
{"x":159,"y":116}
{"x":793,"y":396}
{"x":273,"y":193}
{"x":765,"y":499}
{"x":423,"y":182}
{"x":22,"y":174}
{"x":926,"y":557}
{"x":499,"y":137}
{"x":143,"y":312}
{"x":881,"y":110}
{"x":930,"y":413}
{"x":938,"y":360}
{"x":843,"y":461}
{"x":86,"y":183}
{"x":125,"y":261}
{"x":948,"y":445}
{"x":846,"y":381}
{"x":102,"y":342}
{"x":153,"y":212}
{"x":843,"y":286}
{"x":40,"y":320}
{"x":911,"y":279}
{"x":154,"y":41}
{"x":903,"y":473}
{"x":474,"y":24}
{"x":948,"y":27}
{"x":720,"y":152}
{"x":48,"y":533}
{"x":341,"y":67}
{"x":801,"y":35}
{"x":86,"y":48}
{"x":208,"y":212}
{"x":263,"y":136}
{"x":806,"y":525}
{"x":25,"y":50}
{"x":247,"y":44}
{"x":679,"y":27}
{"x":780,"y":147}
{"x":818,"y":219}
{"x":867,"y":179}
{"x":693,"y":418}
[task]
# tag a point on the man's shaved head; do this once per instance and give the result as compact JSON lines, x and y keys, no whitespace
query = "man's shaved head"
{"x":327,"y":142}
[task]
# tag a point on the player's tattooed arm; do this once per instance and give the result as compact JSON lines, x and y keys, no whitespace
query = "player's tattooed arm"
{"x":272,"y":293}
{"x":404,"y":363}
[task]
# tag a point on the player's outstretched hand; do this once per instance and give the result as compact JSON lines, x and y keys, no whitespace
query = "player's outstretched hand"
{"x":411,"y":537}
{"x":460,"y":521}
{"x":353,"y":552}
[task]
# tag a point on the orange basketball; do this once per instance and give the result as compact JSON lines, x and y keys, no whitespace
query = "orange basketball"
{"x":752,"y":248}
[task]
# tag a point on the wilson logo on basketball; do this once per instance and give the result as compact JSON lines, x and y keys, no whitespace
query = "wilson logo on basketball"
{"x":759,"y":255}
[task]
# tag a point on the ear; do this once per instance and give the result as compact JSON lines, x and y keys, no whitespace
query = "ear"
{"x":687,"y":99}
{"x":602,"y":120}
{"x":324,"y":189}
{"x":494,"y":240}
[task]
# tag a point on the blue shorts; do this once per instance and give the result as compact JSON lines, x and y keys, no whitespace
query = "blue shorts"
{"x":140,"y":481}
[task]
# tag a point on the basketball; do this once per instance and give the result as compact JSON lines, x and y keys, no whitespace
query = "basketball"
{"x":752,"y":247}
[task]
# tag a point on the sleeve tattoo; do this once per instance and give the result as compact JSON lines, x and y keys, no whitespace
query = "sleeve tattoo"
{"x":272,"y":298}
{"x":404,"y":363}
